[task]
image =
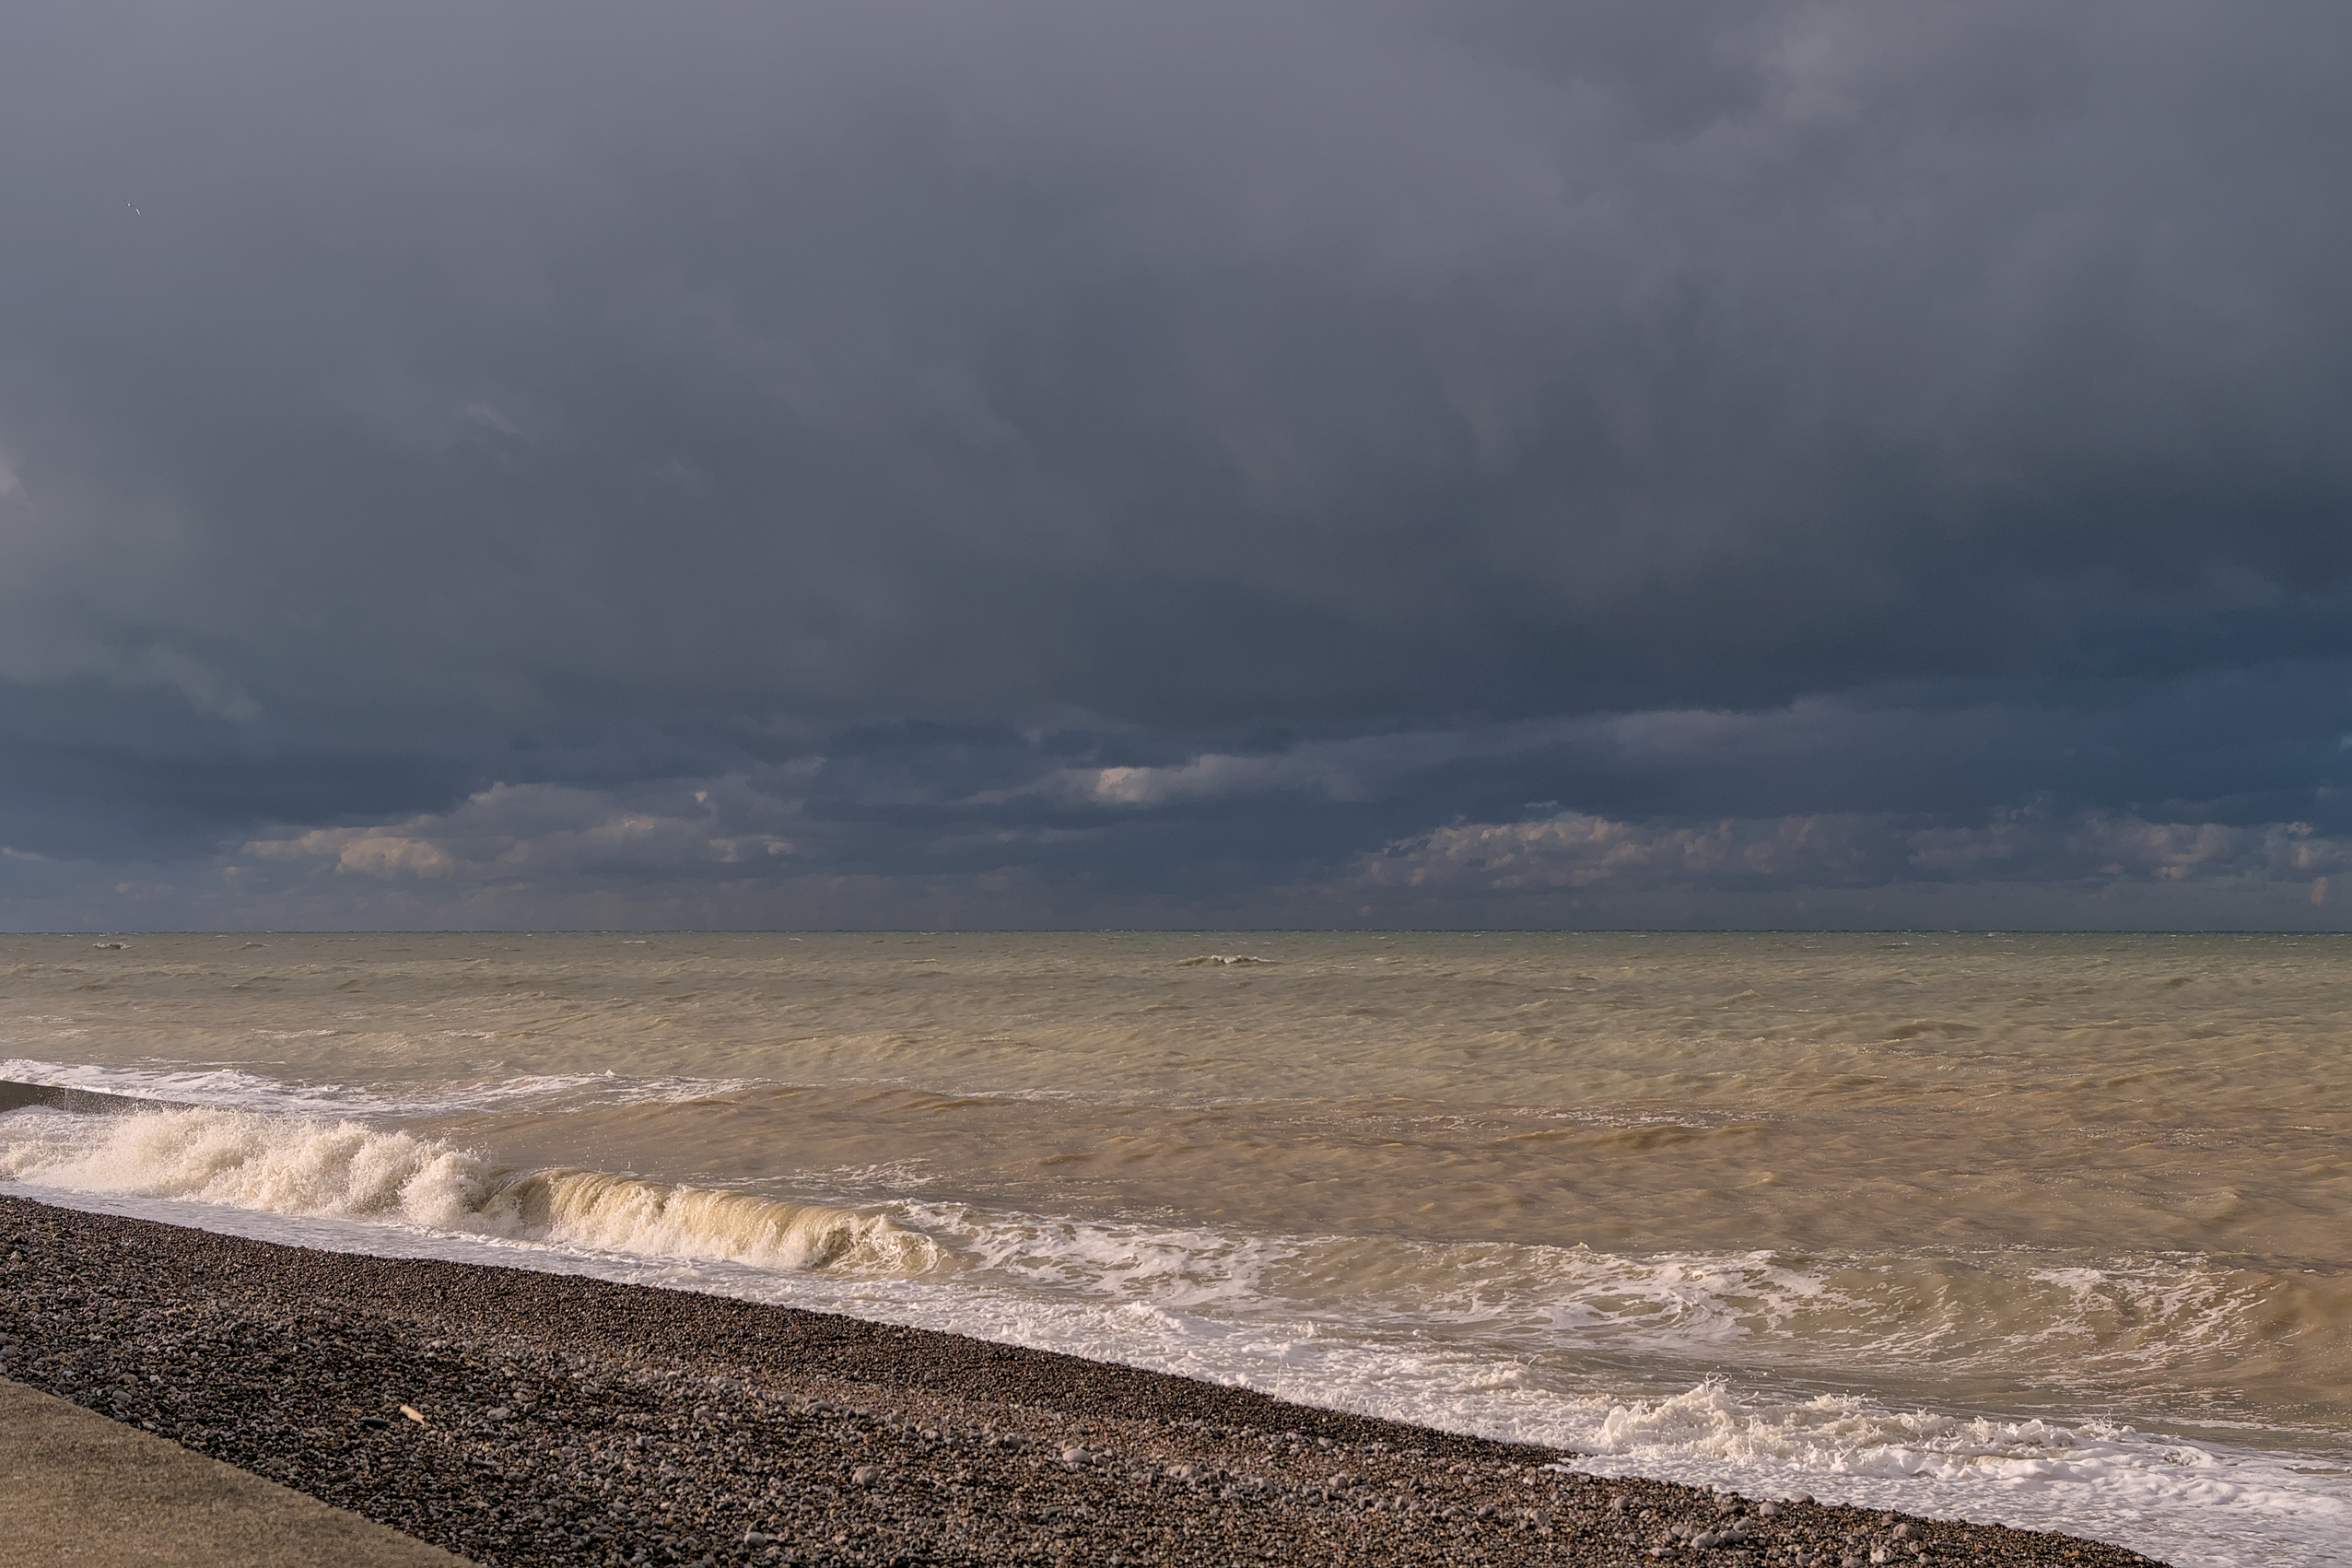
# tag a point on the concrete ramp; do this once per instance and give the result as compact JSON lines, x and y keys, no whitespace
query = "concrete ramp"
{"x":81,"y":1490}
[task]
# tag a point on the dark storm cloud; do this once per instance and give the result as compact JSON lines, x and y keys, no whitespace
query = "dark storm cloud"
{"x":1154,"y":456}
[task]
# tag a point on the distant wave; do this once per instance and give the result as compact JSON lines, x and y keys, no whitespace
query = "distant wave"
{"x":236,"y":1088}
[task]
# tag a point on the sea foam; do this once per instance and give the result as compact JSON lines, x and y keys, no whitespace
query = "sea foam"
{"x":345,"y":1170}
{"x":1229,"y":1309}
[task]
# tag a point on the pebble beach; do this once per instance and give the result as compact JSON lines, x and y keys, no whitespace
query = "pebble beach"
{"x":525,"y":1418}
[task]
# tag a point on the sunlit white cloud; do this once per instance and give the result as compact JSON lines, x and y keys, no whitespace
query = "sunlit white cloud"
{"x":1823,"y":851}
{"x":512,"y":832}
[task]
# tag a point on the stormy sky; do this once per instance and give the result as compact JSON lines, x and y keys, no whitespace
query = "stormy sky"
{"x":1089,"y":462}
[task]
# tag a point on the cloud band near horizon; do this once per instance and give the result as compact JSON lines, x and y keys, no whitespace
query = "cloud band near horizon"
{"x":1450,"y":462}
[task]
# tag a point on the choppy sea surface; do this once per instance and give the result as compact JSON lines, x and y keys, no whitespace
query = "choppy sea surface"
{"x":2053,"y":1229}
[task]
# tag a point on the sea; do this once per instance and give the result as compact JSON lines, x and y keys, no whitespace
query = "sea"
{"x":2052,"y":1230}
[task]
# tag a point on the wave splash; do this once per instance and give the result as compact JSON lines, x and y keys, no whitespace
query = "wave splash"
{"x":347,"y":1170}
{"x":1532,"y":1343}
{"x":2195,"y":1503}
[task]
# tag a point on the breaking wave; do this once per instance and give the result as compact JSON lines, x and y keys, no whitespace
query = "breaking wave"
{"x":345,"y":1170}
{"x":1535,"y":1343}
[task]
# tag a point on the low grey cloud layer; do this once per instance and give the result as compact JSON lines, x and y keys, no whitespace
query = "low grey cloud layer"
{"x":1448,"y":461}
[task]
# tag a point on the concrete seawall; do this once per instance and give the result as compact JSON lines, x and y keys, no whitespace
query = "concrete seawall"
{"x":78,"y":1488}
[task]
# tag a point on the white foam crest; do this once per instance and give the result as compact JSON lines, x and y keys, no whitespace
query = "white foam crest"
{"x":1691,"y":1310}
{"x":2189,"y":1502}
{"x":1678,"y":1302}
{"x":235,"y":1088}
{"x":1170,"y":1266}
{"x":2181,"y":1320}
{"x":1804,"y":1315}
{"x":1681,"y":1303}
{"x":2193,"y":1504}
{"x":227,"y":1087}
{"x":1673,"y":1303}
{"x":557,"y":1093}
{"x":347,"y":1170}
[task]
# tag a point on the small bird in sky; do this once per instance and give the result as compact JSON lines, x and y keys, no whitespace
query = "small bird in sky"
{"x":134,"y":206}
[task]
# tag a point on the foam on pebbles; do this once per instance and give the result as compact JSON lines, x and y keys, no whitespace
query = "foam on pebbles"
{"x":533,"y":1419}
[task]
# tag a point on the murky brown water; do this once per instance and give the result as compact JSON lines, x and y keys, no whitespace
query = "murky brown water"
{"x":1520,"y":1181}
